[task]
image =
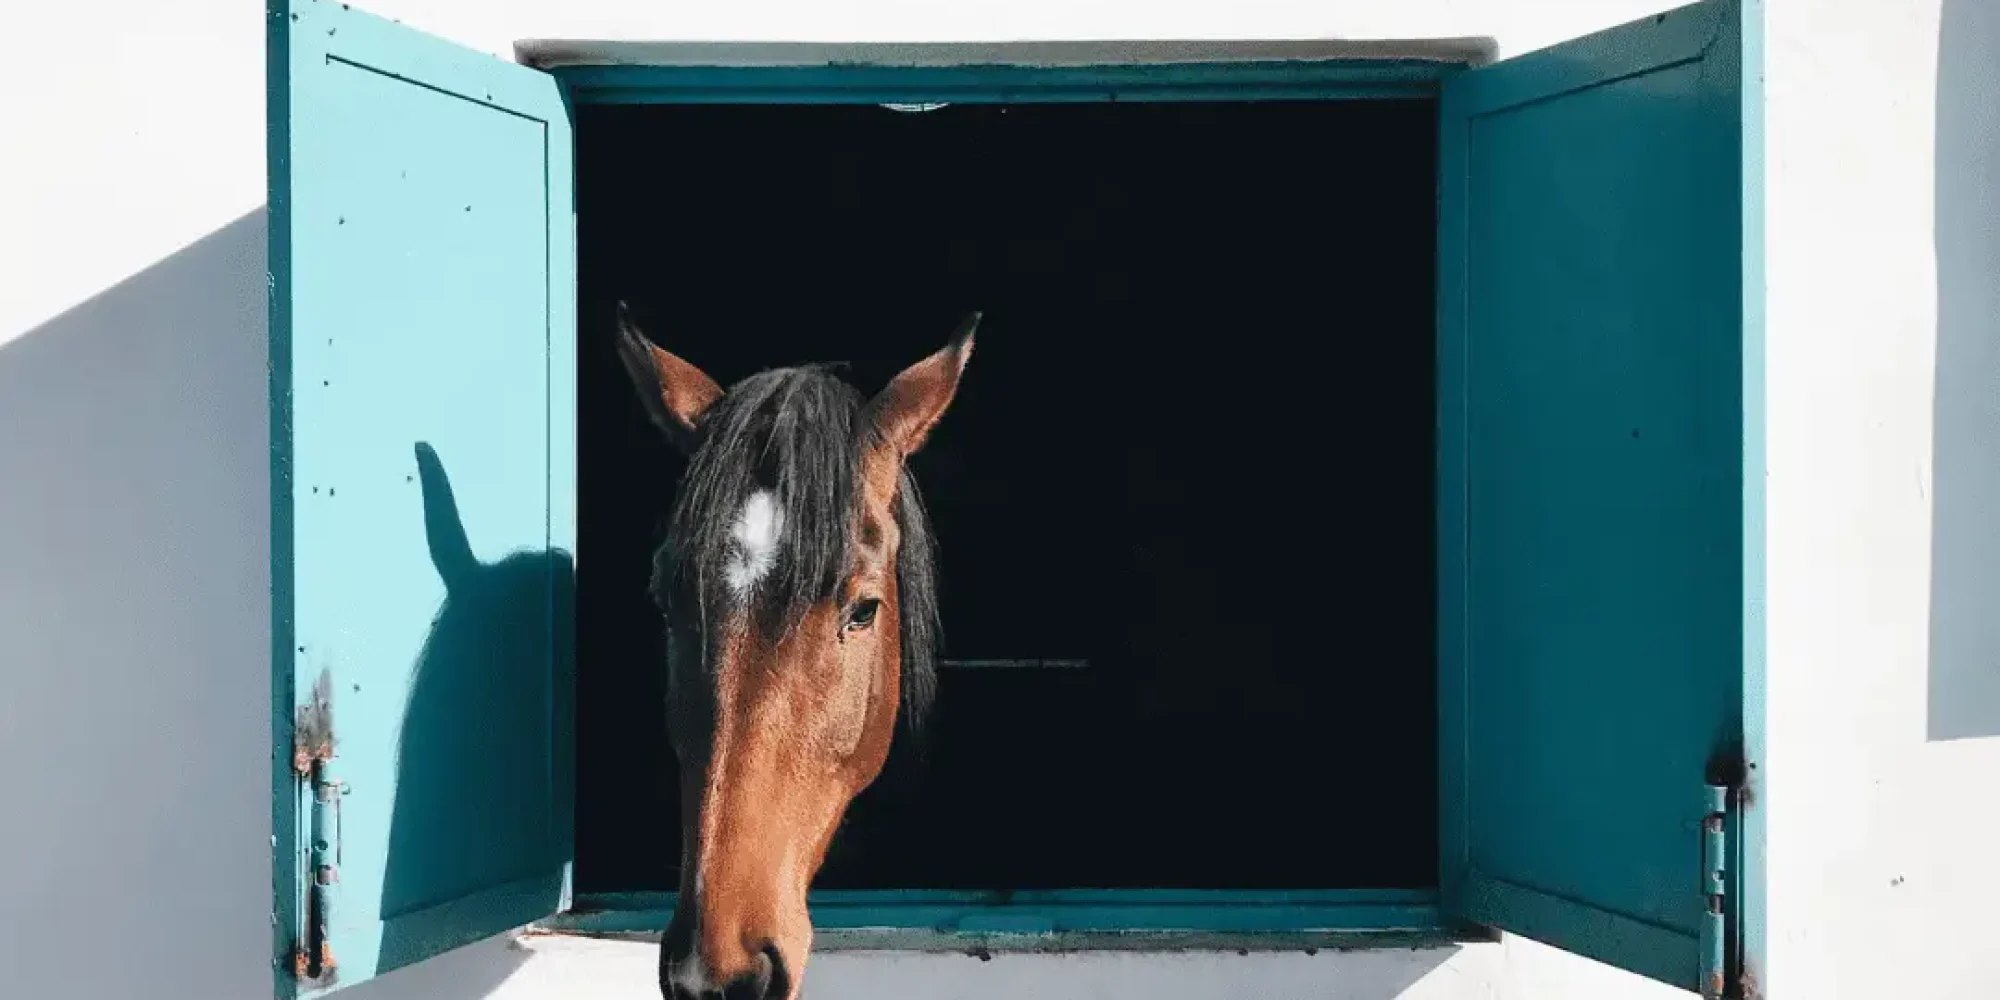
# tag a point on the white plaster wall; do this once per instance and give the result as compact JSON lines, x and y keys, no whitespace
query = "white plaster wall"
{"x":1884,"y":495}
{"x":133,"y":643}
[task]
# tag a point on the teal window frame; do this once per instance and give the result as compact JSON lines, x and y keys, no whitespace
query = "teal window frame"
{"x":1581,"y":849}
{"x":1081,"y":917}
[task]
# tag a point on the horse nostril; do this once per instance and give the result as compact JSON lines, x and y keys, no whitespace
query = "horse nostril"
{"x":673,"y":988}
{"x":760,"y":983}
{"x":677,"y":980}
{"x":768,"y":978}
{"x":780,"y":985}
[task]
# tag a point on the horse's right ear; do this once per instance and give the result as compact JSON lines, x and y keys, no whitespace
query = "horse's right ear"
{"x":675,"y":393}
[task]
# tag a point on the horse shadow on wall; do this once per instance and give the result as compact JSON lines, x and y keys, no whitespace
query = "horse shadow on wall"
{"x":482,"y":766}
{"x":1965,"y":465}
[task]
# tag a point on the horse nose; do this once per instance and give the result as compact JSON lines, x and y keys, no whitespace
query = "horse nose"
{"x":767,"y":979}
{"x":683,"y":978}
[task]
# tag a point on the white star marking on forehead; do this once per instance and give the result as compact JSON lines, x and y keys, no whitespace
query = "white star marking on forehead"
{"x":756,"y":534}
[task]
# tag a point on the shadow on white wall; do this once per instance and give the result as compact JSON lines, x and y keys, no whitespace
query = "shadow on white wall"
{"x":135,"y":647}
{"x":133,"y":640}
{"x":1965,"y":525}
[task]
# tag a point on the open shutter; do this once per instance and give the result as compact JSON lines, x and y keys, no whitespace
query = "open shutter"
{"x":1591,"y":506}
{"x":423,"y":476}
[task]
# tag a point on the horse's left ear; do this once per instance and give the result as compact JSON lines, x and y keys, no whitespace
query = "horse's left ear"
{"x":904,"y":412}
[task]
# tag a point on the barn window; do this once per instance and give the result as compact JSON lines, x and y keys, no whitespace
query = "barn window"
{"x":1183,"y":507}
{"x":1342,"y":524}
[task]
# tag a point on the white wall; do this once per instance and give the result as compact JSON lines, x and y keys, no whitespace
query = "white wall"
{"x":133,"y":644}
{"x":1884,"y":496}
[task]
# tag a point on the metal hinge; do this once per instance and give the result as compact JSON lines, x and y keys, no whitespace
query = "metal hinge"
{"x":1714,"y":889}
{"x":313,"y":766}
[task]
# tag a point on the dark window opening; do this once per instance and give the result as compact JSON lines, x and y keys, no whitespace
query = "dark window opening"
{"x":1192,"y":462}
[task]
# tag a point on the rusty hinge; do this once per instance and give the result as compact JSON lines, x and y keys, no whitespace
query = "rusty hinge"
{"x":1714,"y":890}
{"x":313,"y":764}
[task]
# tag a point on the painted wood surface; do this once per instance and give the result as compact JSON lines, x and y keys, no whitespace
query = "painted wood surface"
{"x":423,"y":486}
{"x":1591,"y":515}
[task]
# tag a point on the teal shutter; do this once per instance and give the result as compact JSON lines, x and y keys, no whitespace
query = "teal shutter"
{"x":423,"y":484}
{"x":1591,"y":489}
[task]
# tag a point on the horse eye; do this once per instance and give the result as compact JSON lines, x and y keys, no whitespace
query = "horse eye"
{"x":863,"y":614}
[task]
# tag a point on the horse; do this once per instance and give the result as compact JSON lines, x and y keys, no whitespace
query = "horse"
{"x":798,"y":589}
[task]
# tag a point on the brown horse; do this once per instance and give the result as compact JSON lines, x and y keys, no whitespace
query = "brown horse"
{"x":800,"y":601}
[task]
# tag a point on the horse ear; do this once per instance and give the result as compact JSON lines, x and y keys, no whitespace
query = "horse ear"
{"x":675,"y":393}
{"x":904,"y":412}
{"x":444,"y":530}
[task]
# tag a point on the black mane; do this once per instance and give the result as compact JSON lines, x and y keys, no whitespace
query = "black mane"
{"x":798,"y":433}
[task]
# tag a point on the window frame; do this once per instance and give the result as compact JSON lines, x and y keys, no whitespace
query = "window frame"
{"x":1065,"y":919}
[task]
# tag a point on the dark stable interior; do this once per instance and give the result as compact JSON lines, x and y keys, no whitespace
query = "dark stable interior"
{"x":1193,"y":448}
